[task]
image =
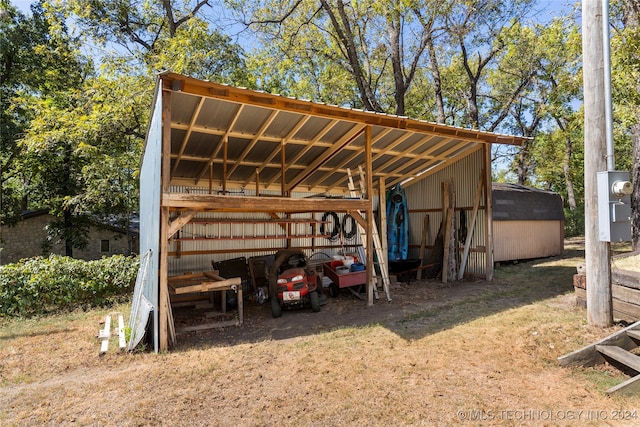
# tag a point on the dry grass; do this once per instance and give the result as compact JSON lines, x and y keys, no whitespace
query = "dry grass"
{"x":473,"y":350}
{"x":631,"y":262}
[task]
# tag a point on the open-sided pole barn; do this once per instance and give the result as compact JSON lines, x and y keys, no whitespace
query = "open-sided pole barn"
{"x":216,"y":151}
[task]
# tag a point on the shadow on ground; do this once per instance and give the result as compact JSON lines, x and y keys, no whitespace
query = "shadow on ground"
{"x":417,"y":309}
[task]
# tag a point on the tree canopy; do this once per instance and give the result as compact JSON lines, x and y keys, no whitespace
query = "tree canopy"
{"x":76,"y":81}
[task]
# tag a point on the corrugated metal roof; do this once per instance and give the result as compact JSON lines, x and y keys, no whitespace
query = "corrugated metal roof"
{"x":513,"y":202}
{"x":246,"y":136}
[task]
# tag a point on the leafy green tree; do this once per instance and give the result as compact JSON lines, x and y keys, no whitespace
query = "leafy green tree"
{"x":20,"y":63}
{"x":146,"y":37}
{"x":365,"y":54}
{"x":626,"y":94}
{"x":83,"y":141}
{"x":50,"y":147}
{"x":38,"y":77}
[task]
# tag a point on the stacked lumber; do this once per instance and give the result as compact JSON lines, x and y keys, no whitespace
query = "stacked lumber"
{"x":625,"y":292}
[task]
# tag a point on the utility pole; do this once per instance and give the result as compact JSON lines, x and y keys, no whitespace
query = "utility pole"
{"x":599,"y":299}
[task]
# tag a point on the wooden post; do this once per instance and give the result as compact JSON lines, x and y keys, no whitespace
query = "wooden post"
{"x":257,"y":182}
{"x":488,"y":214}
{"x":161,"y":340}
{"x":467,"y":243}
{"x":369,"y":228}
{"x":453,"y":244}
{"x":448,"y":201}
{"x":283,"y":160}
{"x":382,"y":213}
{"x":224,"y":164}
{"x":599,"y":298}
{"x":211,"y":178}
{"x":423,"y":242}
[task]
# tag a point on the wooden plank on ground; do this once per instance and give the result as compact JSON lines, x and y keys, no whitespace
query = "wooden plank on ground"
{"x":122,"y":339}
{"x":620,"y":355}
{"x":626,"y":294}
{"x":630,"y":279}
{"x":627,"y":388}
{"x":589,"y":356}
{"x":205,"y":326}
{"x":105,"y":334}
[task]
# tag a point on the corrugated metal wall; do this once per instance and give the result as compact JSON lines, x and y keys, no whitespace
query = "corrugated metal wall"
{"x":150,"y":201}
{"x":425,"y":198}
{"x":514,"y":240}
{"x":195,"y":253}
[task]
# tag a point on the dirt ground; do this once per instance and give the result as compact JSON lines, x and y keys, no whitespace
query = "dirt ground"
{"x":347,"y":310}
{"x":467,"y":353}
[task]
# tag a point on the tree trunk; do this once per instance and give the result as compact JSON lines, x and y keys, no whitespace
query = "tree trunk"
{"x":345,"y":37}
{"x":437,"y":81}
{"x":68,"y":225}
{"x":568,"y":152}
{"x":523,"y":163}
{"x":393,"y":26}
{"x":67,"y":214}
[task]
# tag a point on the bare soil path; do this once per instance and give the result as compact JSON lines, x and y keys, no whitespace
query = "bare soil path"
{"x":469,"y":353}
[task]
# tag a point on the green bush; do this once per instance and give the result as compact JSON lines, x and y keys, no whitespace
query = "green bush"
{"x":41,"y":285}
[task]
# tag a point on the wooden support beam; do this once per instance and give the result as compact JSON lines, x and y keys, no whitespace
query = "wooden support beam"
{"x":224,"y":137}
{"x":423,"y":242}
{"x":163,"y":292}
{"x":211,"y":178}
{"x":283,"y":169}
{"x":219,"y":203}
{"x":180,"y":222}
{"x":369,"y":213}
{"x":488,"y":214}
{"x":382,"y":214}
{"x":225,"y":159}
{"x":467,"y":243}
{"x":354,"y":133}
{"x":206,"y":286}
{"x":161,"y":317}
{"x":257,"y":182}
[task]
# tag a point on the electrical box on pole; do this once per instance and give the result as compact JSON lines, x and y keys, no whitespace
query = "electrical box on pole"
{"x":614,"y":206}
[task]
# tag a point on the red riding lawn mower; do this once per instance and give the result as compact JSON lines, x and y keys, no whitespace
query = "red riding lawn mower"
{"x":291,"y":284}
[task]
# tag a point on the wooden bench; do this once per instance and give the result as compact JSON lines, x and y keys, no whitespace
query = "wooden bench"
{"x":203,"y":282}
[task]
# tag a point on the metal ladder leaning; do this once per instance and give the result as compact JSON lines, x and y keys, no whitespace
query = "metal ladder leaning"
{"x":382,"y":265}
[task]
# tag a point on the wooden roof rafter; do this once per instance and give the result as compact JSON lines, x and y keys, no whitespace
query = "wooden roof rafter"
{"x":328,"y":154}
{"x":444,"y":157}
{"x":314,"y":164}
{"x":278,"y":148}
{"x":395,"y":159}
{"x":185,"y":140}
{"x":313,"y":142}
{"x":258,"y":135}
{"x":341,"y":167}
{"x":221,"y":144}
{"x":434,"y":165}
{"x":397,"y":155}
